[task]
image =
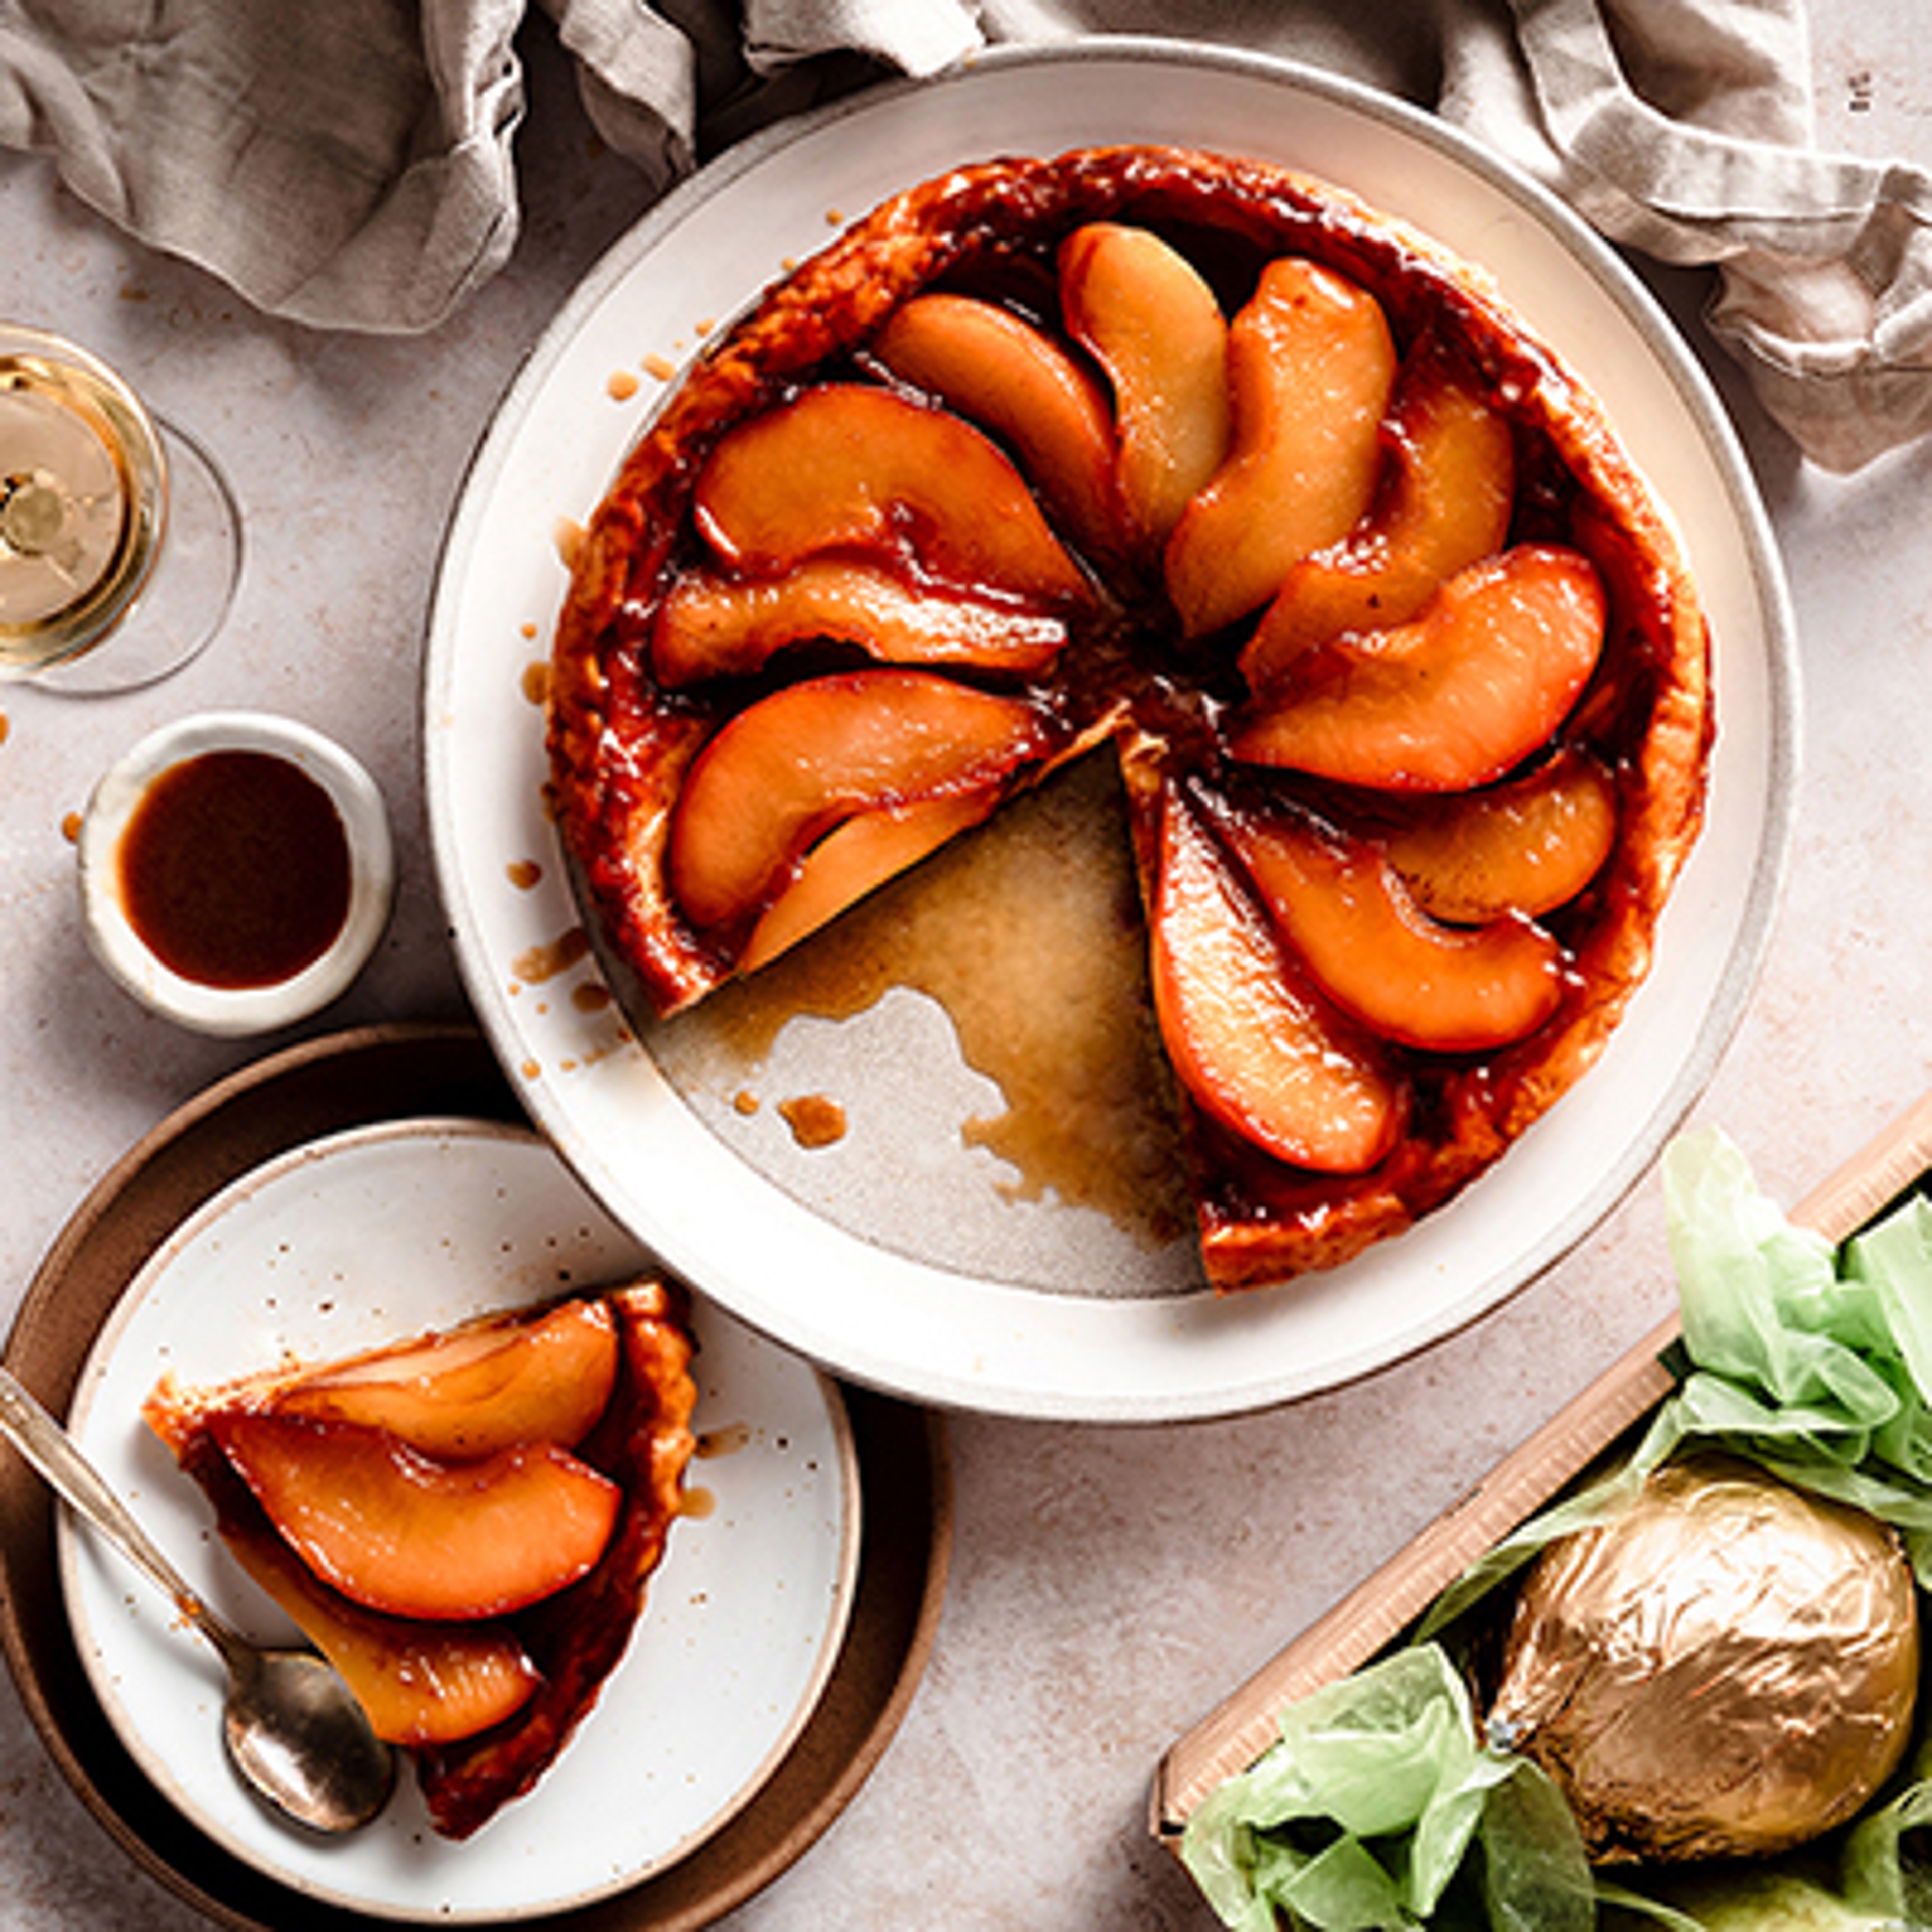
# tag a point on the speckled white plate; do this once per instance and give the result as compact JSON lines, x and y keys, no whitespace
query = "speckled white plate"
{"x":377,"y":1234}
{"x":895,"y":1256}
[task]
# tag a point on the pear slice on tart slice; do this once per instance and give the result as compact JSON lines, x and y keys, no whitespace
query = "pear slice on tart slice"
{"x":420,"y":1683}
{"x":781,"y":773}
{"x":1310,"y":364}
{"x":1452,"y":700}
{"x":474,"y":1391}
{"x":709,"y":624}
{"x":1529,"y":845}
{"x":400,"y":1531}
{"x":476,"y":1604}
{"x":851,"y":467}
{"x":1444,"y":503}
{"x":1259,"y":1048}
{"x":999,"y":371}
{"x":1344,"y":909}
{"x":856,"y":857}
{"x":1144,"y":313}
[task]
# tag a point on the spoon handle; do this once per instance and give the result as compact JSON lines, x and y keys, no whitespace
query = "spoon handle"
{"x":49,"y":1447}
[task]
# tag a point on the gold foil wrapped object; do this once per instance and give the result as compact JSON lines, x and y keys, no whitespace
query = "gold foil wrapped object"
{"x":1728,"y":1668}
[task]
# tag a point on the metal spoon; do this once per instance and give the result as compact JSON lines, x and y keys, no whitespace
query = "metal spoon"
{"x":292,"y":1727}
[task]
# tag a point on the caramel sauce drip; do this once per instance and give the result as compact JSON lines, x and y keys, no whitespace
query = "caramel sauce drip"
{"x":1028,"y":933}
{"x":726,"y":1441}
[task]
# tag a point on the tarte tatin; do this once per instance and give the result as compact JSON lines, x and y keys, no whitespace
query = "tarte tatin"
{"x":464,"y":1522}
{"x":1203,"y":461}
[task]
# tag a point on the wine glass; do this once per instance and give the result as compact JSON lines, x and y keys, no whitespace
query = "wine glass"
{"x":120,"y":542}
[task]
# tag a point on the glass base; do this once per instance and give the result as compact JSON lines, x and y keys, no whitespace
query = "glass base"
{"x":187,"y":598}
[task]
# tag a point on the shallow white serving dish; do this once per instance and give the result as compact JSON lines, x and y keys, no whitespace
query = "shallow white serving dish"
{"x":942,"y":1289}
{"x":235,"y":1011}
{"x":372,"y":1236}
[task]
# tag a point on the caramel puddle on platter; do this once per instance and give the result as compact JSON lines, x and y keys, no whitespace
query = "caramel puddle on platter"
{"x":1028,"y":933}
{"x":816,"y":1120}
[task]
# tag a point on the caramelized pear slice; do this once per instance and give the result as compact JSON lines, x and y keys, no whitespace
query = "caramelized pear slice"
{"x":1342,"y":908}
{"x":1310,"y":365}
{"x":1527,"y":846}
{"x":785,"y":771}
{"x":1261,"y":1052}
{"x":711,"y":626}
{"x":999,"y":371}
{"x":474,"y":1390}
{"x":420,"y":1683}
{"x":1445,"y":504}
{"x":1141,"y":309}
{"x":855,"y":859}
{"x":845,"y":467}
{"x":1450,"y":700}
{"x":398,"y":1532}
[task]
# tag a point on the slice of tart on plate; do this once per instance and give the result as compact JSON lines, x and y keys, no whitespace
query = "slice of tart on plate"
{"x":465,"y":1522}
{"x":1202,"y":460}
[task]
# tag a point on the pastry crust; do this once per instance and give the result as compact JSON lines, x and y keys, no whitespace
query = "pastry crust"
{"x":621,"y":745}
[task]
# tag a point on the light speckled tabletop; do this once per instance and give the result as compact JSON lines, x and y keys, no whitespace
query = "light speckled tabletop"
{"x":1110,"y":1585}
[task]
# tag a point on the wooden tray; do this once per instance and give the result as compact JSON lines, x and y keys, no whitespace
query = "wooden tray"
{"x":1236,"y":1732}
{"x":320,"y":1087}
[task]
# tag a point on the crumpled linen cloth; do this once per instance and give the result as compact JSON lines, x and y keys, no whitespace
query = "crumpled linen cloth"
{"x":351,"y":165}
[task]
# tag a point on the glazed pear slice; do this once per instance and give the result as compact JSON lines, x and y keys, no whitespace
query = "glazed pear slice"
{"x":473,"y":1391}
{"x":1141,"y":309}
{"x":1453,"y":699}
{"x":785,"y":771}
{"x":845,"y":467}
{"x":1344,"y":909}
{"x":1261,"y":1051}
{"x":1445,"y":504}
{"x":711,"y":626}
{"x":999,"y":371}
{"x":1527,"y":846}
{"x":855,"y":858}
{"x":400,"y":1532}
{"x":1310,"y":365}
{"x":420,"y":1683}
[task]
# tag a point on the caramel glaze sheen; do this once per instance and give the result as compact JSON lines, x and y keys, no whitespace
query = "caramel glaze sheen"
{"x":619,"y":745}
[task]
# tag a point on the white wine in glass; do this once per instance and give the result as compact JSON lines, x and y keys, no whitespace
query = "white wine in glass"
{"x":119,"y":541}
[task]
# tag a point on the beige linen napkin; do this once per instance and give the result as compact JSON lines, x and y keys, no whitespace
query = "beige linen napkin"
{"x":351,"y":165}
{"x":1685,"y":131}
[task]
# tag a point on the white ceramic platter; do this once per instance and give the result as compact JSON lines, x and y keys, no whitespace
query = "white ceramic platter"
{"x":371,"y":1236}
{"x":894,"y":1257}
